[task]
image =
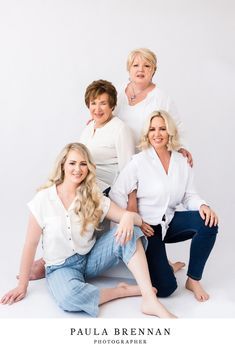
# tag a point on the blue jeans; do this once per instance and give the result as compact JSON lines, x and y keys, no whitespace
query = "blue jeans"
{"x":185,"y":225}
{"x":68,"y":281}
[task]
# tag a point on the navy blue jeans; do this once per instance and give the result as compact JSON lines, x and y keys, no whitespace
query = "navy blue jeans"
{"x":185,"y":225}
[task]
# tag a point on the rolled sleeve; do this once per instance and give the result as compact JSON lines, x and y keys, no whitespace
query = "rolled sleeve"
{"x":35,"y":207}
{"x":124,"y":185}
{"x":125,"y":146}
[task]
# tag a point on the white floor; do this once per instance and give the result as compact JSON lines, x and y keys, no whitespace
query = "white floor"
{"x":217,"y":281}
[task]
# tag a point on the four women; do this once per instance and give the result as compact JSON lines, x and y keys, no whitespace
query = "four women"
{"x":68,"y":209}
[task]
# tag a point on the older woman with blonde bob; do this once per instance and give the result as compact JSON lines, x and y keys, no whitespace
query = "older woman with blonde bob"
{"x":138,"y":98}
{"x":163,"y":180}
{"x":66,"y":211}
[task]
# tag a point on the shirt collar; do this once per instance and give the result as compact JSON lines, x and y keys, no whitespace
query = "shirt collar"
{"x":154,"y":156}
{"x":152,"y":153}
{"x":53,"y":193}
{"x":53,"y":196}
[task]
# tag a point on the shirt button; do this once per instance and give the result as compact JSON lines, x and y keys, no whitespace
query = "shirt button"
{"x":69,"y":238}
{"x":68,"y":227}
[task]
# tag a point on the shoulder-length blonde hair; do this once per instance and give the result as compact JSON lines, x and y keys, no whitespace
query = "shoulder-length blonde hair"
{"x":88,"y":195}
{"x":145,"y":54}
{"x":171,"y":128}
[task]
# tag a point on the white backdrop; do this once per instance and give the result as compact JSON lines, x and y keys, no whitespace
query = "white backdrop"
{"x":51,"y":50}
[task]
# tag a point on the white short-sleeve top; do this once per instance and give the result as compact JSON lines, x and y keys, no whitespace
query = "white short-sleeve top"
{"x":111,"y":147}
{"x":61,"y":228}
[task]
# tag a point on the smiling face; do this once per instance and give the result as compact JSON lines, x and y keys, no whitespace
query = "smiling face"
{"x":141,"y":70}
{"x":75,"y":168}
{"x":100,"y":109}
{"x":158,"y":135}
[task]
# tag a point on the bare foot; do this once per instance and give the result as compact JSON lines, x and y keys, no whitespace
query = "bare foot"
{"x":37,"y":270}
{"x":152,"y":306}
{"x":132,"y":290}
{"x":195,"y":286}
{"x":177,"y":265}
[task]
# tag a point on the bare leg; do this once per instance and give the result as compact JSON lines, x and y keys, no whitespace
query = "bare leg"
{"x":122,"y":290}
{"x":177,"y":265}
{"x":139,"y":268}
{"x":37,"y":270}
{"x":200,"y":294}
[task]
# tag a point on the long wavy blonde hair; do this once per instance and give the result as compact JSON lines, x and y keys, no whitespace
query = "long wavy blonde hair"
{"x":88,"y":194}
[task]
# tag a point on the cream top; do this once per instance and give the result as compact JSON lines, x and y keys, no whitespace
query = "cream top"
{"x":111,"y":147}
{"x":61,"y":228}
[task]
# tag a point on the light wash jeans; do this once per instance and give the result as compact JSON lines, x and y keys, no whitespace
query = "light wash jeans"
{"x":67,"y":281}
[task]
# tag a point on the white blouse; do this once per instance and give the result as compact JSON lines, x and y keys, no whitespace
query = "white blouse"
{"x":111,"y":147}
{"x":158,"y":193}
{"x":61,"y":229}
{"x":135,"y":115}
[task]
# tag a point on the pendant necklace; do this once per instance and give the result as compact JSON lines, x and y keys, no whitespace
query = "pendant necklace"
{"x":135,"y":95}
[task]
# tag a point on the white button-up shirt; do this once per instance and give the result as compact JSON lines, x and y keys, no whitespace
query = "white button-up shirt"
{"x":158,"y":193}
{"x":61,"y":228}
{"x":111,"y":147}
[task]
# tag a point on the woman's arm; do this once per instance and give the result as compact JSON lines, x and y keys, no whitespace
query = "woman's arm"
{"x":125,"y":183}
{"x":132,"y":202}
{"x":32,"y":239}
{"x":125,"y":146}
{"x":126,"y":221}
{"x":192,"y":201}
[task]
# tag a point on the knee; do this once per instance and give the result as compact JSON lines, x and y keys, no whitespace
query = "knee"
{"x":209,"y":230}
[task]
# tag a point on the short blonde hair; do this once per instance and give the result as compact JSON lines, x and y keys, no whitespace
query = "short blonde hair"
{"x":173,"y":142}
{"x":145,"y":54}
{"x":88,"y":195}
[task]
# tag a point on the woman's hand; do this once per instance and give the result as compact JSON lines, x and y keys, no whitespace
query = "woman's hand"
{"x":147,"y":229}
{"x":208,"y":215}
{"x":187,"y":155}
{"x":125,"y":228}
{"x":14,"y":295}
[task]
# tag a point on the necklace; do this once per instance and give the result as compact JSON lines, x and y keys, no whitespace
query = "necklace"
{"x":135,"y":95}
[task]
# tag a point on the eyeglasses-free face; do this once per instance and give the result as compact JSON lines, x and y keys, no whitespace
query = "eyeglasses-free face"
{"x":158,"y":135}
{"x":100,"y":110}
